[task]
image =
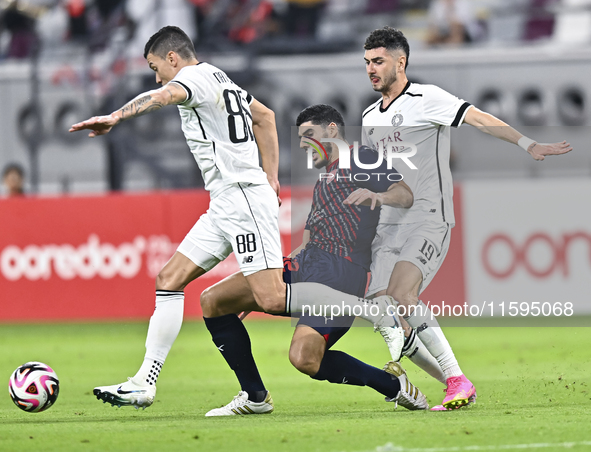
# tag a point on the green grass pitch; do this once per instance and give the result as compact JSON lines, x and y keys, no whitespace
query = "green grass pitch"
{"x":534,"y":389}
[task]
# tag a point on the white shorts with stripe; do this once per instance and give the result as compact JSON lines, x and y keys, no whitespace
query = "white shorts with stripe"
{"x":243,"y":219}
{"x":423,"y":244}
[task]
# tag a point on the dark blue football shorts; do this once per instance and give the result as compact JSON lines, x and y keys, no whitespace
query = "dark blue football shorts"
{"x":315,"y":265}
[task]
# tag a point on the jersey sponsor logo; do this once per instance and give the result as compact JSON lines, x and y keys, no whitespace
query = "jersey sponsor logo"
{"x":397,"y":119}
{"x":393,"y":142}
{"x":247,"y":259}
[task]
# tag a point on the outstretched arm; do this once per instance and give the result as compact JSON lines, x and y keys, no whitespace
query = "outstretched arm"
{"x":487,"y":123}
{"x":398,"y":194}
{"x":171,"y":93}
{"x":265,"y":132}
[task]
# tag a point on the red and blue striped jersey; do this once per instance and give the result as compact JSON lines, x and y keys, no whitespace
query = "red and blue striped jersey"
{"x":346,"y":230}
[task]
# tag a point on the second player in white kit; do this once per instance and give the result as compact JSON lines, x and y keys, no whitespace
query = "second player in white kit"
{"x":422,"y":115}
{"x":411,"y":244}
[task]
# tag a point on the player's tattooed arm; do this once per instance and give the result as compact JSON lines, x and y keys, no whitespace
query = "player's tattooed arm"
{"x":151,"y":101}
{"x":143,"y":104}
{"x":491,"y":125}
{"x":138,"y":107}
{"x":398,"y":194}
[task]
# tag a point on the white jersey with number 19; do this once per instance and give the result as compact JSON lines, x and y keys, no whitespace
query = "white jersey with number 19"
{"x":420,"y":116}
{"x":217,"y":124}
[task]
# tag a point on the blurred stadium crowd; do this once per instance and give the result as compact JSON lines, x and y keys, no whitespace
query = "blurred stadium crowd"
{"x":61,"y":60}
{"x":275,"y":26}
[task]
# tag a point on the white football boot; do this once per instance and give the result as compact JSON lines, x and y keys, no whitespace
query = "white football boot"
{"x":393,"y":335}
{"x":387,"y":306}
{"x":241,"y":405}
{"x":410,"y":397}
{"x":394,"y":338}
{"x":127,"y":394}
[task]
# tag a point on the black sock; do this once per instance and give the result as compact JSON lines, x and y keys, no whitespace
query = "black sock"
{"x":410,"y":344}
{"x":231,"y":338}
{"x":338,"y":367}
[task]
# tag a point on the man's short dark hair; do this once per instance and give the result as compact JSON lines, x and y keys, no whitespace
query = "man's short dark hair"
{"x":389,"y":38}
{"x":167,"y":39}
{"x":13,"y":167}
{"x":322,"y":115}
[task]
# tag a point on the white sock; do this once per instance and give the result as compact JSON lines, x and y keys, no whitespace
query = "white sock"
{"x":320,"y":300}
{"x":415,"y":350}
{"x":164,"y":328}
{"x":429,"y":331}
{"x":148,"y":373}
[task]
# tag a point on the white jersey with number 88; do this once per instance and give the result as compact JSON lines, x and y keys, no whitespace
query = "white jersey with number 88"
{"x":217,"y":124}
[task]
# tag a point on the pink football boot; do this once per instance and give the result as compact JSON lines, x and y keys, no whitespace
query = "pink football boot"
{"x":460,"y":392}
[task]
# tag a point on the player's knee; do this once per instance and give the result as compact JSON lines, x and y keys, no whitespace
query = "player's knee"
{"x":271,"y":303}
{"x":167,"y":280}
{"x":304,"y":362}
{"x":208,"y":304}
{"x":404,"y":297}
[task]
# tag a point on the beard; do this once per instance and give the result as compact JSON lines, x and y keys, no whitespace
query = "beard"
{"x":386,"y":83}
{"x":322,"y":162}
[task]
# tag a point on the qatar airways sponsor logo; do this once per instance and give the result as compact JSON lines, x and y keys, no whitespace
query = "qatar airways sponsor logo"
{"x":88,"y":260}
{"x":540,"y":255}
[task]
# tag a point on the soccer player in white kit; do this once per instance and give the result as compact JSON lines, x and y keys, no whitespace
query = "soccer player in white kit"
{"x":225,"y":129}
{"x":410,"y":244}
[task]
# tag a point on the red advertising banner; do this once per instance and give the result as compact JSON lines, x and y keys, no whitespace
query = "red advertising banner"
{"x":75,"y":258}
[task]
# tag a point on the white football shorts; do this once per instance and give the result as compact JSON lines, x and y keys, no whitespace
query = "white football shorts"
{"x":243,"y":219}
{"x":423,"y":244}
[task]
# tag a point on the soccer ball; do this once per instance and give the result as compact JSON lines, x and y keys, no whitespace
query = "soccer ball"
{"x":33,"y":387}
